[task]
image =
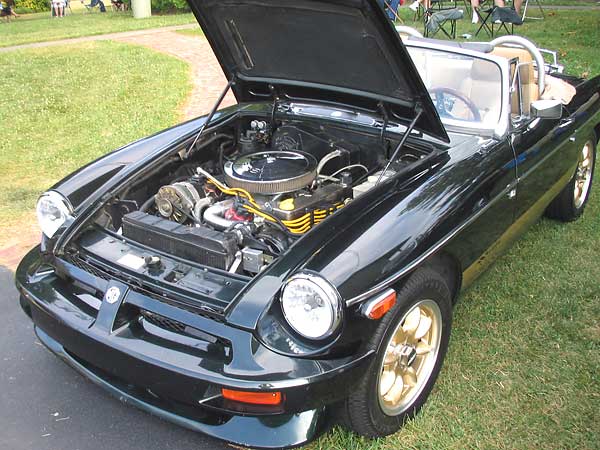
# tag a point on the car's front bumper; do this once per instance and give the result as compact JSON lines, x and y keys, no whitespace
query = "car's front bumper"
{"x":177,"y":377}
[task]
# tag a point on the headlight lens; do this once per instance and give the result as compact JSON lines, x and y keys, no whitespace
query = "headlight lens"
{"x":52,"y":210}
{"x":311,"y":305}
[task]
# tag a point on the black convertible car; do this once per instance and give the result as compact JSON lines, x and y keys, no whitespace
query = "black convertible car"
{"x":295,"y":258}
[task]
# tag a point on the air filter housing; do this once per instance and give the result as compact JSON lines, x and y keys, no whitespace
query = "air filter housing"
{"x":271,"y":172}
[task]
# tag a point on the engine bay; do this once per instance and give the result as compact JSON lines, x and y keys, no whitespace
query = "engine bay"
{"x":237,"y":201}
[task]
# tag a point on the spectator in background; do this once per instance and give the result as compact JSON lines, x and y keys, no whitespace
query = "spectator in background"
{"x":7,"y":9}
{"x":475,"y":4}
{"x":59,"y":8}
{"x":415,"y":5}
{"x":392,"y":9}
{"x":93,"y":4}
{"x":118,"y":5}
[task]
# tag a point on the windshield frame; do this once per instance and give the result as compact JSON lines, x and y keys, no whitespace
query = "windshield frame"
{"x":501,"y":128}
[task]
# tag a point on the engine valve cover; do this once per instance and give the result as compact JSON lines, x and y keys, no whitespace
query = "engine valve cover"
{"x":326,"y":198}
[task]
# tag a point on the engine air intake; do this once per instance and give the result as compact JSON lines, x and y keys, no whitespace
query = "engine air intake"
{"x":271,"y":172}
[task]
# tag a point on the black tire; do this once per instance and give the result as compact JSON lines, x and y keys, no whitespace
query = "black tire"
{"x":564,"y":207}
{"x":362,"y":412}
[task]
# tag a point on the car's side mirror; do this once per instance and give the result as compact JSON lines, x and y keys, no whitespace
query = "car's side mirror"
{"x":546,"y":109}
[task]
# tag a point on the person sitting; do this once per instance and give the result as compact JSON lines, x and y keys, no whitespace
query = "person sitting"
{"x":7,"y":9}
{"x":415,"y":5}
{"x":95,"y":3}
{"x":500,"y":3}
{"x":119,"y":5}
{"x":58,"y":6}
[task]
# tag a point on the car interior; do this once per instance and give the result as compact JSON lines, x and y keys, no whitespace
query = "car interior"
{"x":480,"y":81}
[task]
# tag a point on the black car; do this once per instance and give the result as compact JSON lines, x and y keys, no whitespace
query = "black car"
{"x":295,"y":258}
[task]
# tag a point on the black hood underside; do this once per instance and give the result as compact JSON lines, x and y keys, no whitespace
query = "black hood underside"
{"x":344,"y":51}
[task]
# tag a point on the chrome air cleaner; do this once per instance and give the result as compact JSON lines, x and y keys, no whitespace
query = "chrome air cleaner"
{"x":271,"y":172}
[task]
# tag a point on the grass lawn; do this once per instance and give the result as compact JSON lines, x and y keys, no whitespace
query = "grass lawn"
{"x":564,"y":3}
{"x":191,"y":31}
{"x":70,"y":104}
{"x":41,"y":27}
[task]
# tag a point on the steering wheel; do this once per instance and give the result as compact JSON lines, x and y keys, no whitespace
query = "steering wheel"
{"x":441,"y":92}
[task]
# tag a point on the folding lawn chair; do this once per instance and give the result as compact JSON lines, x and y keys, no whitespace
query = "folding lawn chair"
{"x":497,"y":16}
{"x":440,"y":5}
{"x":539,"y":5}
{"x":443,"y":20}
{"x":66,"y":8}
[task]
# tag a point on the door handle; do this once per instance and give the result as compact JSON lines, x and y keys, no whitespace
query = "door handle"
{"x":566,"y":122}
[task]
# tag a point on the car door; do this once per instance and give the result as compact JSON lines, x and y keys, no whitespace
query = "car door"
{"x":492,"y":211}
{"x":546,"y":154}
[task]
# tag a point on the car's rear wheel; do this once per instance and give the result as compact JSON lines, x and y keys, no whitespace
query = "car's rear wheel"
{"x":571,"y":201}
{"x":411,"y":343}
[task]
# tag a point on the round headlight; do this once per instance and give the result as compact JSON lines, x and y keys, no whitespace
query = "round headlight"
{"x":52,"y":210}
{"x":311,"y":305}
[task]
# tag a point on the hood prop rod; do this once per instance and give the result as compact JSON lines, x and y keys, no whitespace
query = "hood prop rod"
{"x":384,"y":126}
{"x":409,"y":129}
{"x":210,"y":116}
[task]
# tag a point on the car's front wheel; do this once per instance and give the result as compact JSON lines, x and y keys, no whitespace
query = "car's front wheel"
{"x":571,"y":201}
{"x":411,"y":343}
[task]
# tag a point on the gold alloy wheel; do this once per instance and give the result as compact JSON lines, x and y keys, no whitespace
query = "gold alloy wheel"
{"x":583,"y":176}
{"x":410,"y":357}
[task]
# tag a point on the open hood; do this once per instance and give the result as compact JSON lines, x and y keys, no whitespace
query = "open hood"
{"x":344,"y":51}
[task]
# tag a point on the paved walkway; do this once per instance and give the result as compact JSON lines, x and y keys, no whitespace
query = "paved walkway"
{"x":99,"y":37}
{"x":21,"y":241}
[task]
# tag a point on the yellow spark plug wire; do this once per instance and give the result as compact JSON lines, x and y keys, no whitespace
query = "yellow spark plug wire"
{"x":299,"y":225}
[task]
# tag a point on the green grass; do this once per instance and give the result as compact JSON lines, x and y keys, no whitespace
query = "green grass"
{"x":191,"y":32}
{"x":70,"y":104}
{"x":548,"y":3}
{"x":41,"y":27}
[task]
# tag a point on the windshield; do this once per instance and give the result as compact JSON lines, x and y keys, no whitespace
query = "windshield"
{"x":466,"y":90}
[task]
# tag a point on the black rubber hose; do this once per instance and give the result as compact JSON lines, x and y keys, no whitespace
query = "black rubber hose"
{"x":208,"y":141}
{"x":222,"y":152}
{"x":147,"y":204}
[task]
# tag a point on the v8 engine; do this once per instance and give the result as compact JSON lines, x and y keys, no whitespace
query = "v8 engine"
{"x":266,"y":191}
{"x":244,"y":218}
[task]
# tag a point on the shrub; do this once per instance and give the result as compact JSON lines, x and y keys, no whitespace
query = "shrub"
{"x":32,"y":5}
{"x":170,"y":5}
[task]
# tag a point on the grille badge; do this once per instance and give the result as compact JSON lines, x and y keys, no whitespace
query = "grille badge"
{"x":112,"y":295}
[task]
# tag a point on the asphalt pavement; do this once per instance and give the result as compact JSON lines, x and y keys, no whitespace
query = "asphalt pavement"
{"x":46,"y":405}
